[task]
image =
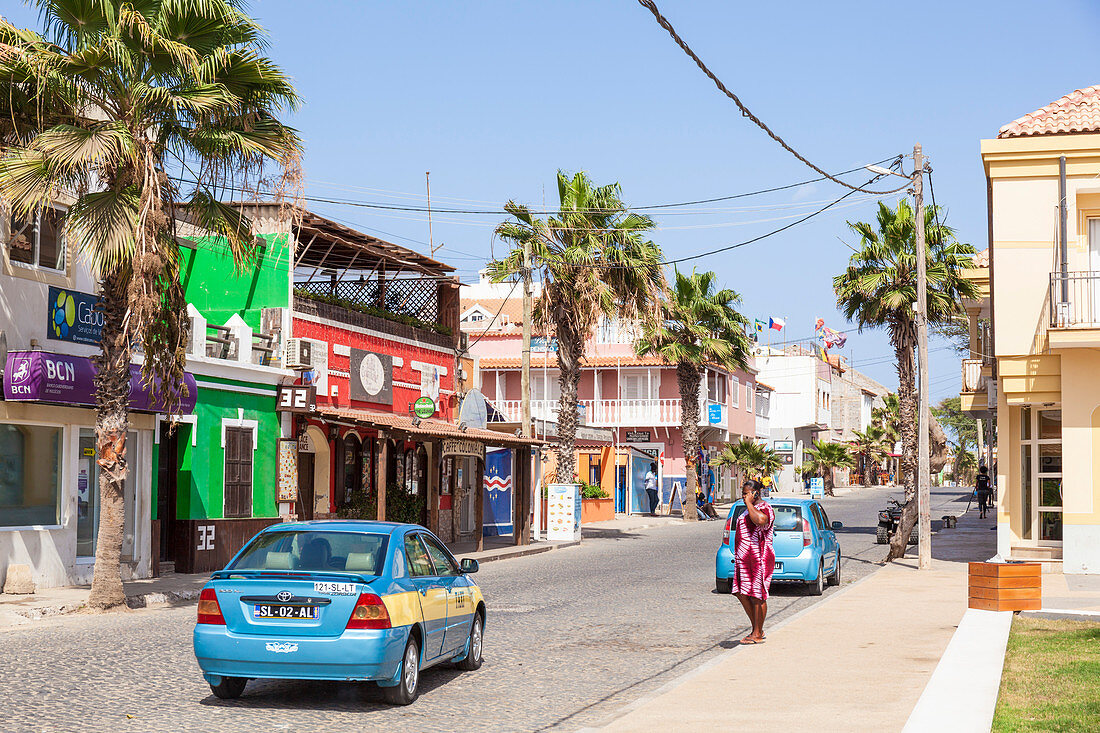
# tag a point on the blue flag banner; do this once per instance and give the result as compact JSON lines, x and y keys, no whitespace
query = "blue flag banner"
{"x":498,"y":492}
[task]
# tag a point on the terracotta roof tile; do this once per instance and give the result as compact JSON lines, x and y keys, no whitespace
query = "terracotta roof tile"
{"x":515,"y":362}
{"x":981,"y":259}
{"x":427,"y":428}
{"x":512,"y":307}
{"x":1078,"y":111}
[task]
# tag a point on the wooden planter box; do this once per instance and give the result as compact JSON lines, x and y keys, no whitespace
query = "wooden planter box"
{"x":597,"y":510}
{"x":1006,"y":586}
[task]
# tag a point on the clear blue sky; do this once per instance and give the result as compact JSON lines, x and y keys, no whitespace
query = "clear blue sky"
{"x":494,"y":97}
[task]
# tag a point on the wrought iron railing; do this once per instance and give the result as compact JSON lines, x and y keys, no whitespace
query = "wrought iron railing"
{"x":1075,"y":300}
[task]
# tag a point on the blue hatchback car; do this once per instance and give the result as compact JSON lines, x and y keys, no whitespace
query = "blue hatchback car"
{"x":806,"y":548}
{"x":339,"y":600}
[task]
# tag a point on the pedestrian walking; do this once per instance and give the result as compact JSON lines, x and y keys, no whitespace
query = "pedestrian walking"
{"x":651,"y":487}
{"x":754,"y":558}
{"x":984,"y":490}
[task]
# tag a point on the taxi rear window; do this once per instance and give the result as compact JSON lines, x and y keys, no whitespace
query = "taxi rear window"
{"x":312,"y":551}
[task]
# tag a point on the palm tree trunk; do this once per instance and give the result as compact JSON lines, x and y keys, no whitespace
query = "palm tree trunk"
{"x":570,"y":348}
{"x":907,"y":410}
{"x":112,"y":385}
{"x":689,"y":379}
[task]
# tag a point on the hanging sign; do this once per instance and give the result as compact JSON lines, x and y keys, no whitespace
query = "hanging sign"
{"x":296,"y":398}
{"x":424,"y":407}
{"x":714,"y":413}
{"x":638,"y":436}
{"x":72,"y":316}
{"x":460,"y":447}
{"x":305,"y":445}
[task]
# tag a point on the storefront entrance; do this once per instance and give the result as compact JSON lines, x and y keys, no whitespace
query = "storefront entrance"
{"x":1041,"y":475}
{"x":88,"y":499}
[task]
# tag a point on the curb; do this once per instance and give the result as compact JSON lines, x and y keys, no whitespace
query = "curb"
{"x":153,"y":600}
{"x":1060,"y":614}
{"x":710,"y":663}
{"x":527,"y":550}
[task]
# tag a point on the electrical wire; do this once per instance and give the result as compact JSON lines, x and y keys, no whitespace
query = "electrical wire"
{"x":663,"y":22}
{"x":495,"y":316}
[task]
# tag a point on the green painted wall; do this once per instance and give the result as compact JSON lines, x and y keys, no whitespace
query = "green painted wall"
{"x":212,"y":284}
{"x":201,"y":477}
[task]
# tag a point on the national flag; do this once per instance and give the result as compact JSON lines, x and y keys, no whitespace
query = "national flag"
{"x":760,"y":326}
{"x":776,"y":323}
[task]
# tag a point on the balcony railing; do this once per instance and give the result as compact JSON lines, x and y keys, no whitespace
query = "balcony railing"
{"x":603,"y":413}
{"x":412,"y":297}
{"x":1075,"y":300}
{"x":972,"y":379}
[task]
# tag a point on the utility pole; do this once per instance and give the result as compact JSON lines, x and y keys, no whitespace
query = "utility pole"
{"x":525,"y":378}
{"x":428,"y":185}
{"x":924,"y":495}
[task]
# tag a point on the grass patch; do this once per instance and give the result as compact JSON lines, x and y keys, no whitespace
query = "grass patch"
{"x":1051,"y":679}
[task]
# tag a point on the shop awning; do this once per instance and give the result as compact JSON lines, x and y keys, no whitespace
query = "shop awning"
{"x":43,"y":376}
{"x":427,"y":428}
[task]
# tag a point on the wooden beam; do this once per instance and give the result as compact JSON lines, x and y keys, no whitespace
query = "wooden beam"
{"x":383,"y":453}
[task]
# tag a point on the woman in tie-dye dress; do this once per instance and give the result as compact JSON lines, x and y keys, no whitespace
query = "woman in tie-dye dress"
{"x":755,"y":558}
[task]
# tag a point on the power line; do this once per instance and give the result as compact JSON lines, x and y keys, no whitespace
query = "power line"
{"x":652,"y":8}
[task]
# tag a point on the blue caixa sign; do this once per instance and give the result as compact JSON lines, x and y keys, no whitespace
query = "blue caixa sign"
{"x":72,"y":316}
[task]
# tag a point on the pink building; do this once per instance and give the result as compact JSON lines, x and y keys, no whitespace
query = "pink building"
{"x":637,"y":398}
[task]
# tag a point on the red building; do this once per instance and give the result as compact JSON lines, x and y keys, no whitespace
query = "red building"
{"x":373,"y":332}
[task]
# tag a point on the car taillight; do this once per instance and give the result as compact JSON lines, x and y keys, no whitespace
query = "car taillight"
{"x":726,"y":531}
{"x":807,"y":535}
{"x":209,"y":610}
{"x":369,"y":613}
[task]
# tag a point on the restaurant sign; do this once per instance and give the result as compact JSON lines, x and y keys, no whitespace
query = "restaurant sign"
{"x":638,"y":436}
{"x":41,"y":376}
{"x":460,"y":447}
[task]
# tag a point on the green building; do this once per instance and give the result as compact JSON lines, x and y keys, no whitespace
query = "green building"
{"x":216,"y":477}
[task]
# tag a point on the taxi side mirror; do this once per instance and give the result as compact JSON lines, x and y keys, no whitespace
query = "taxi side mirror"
{"x":468,"y":565}
{"x":838,"y":525}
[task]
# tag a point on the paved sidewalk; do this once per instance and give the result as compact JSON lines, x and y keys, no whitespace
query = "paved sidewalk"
{"x":857,"y":661}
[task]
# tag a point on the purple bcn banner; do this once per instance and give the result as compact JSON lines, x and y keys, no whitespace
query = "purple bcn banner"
{"x":42,"y":376}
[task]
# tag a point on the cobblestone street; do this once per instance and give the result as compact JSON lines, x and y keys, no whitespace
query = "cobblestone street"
{"x":572,"y":636}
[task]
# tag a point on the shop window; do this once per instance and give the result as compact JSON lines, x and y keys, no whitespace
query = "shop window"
{"x":1041,"y":474}
{"x":30,"y":456}
{"x":238,"y":472}
{"x":594,"y":472}
{"x":38,"y":241}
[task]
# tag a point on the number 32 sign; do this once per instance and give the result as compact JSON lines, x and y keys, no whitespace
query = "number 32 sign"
{"x":297,"y":398}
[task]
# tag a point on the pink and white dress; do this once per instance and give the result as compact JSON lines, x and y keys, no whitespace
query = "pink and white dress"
{"x":754,"y":554}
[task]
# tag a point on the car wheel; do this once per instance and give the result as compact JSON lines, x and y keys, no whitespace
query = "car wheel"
{"x":473,"y":656}
{"x":723,"y":585}
{"x":407,"y":689}
{"x":882,"y":535}
{"x":834,"y":579}
{"x":817,"y":587}
{"x":230,"y":688}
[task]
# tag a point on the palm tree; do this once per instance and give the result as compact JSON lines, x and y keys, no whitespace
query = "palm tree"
{"x":822,"y":458}
{"x":696,"y":326}
{"x":594,"y":260}
{"x":870,"y":447}
{"x":167,"y":86}
{"x":878,"y":290}
{"x":749,"y":458}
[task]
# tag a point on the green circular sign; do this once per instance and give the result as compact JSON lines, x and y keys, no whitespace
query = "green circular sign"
{"x":424,"y":407}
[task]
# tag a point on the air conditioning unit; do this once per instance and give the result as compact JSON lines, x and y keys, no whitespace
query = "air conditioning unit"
{"x":299,"y":354}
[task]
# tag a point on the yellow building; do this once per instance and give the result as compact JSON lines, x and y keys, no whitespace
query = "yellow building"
{"x":1035,"y":333}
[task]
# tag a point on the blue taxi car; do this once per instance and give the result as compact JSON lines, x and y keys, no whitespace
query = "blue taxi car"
{"x":339,"y":600}
{"x":806,"y":548}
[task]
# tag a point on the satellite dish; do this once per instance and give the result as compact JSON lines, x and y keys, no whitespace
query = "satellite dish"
{"x":474,"y":410}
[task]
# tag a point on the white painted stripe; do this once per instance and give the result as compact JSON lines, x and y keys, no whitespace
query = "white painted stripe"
{"x":235,"y":388}
{"x":376,"y":334}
